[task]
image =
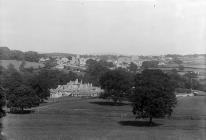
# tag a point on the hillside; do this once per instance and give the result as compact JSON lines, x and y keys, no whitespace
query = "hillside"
{"x":16,"y":63}
{"x":58,"y":54}
{"x":75,"y":118}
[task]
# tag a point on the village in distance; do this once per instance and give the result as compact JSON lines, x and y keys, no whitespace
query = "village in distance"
{"x":72,"y":96}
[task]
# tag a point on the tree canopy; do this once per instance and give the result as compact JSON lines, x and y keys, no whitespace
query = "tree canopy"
{"x":150,"y":64}
{"x":116,"y":84}
{"x":2,"y":100}
{"x":22,"y":97}
{"x":153,"y":95}
{"x":132,"y":67}
{"x":25,"y":89}
{"x":7,"y":54}
{"x":94,"y":71}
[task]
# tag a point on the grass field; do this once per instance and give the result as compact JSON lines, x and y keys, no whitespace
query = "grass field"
{"x":94,"y":119}
{"x":16,"y":63}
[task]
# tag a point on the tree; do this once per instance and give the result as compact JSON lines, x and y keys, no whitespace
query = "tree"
{"x":4,"y":53}
{"x":176,"y":79}
{"x":22,"y":65}
{"x":177,"y":60}
{"x":132,"y":67}
{"x":181,"y":67}
{"x":11,"y":79}
{"x":191,"y":80}
{"x":22,"y":97}
{"x":18,"y":94}
{"x":116,"y":84}
{"x":50,"y":63}
{"x":16,"y":55}
{"x":64,"y":78}
{"x":2,"y":93}
{"x":31,"y":56}
{"x":42,"y":82}
{"x":94,"y":71}
{"x":150,"y":64}
{"x":106,"y":64}
{"x":153,"y":95}
{"x":2,"y":101}
{"x":46,"y":79}
{"x":90,"y":62}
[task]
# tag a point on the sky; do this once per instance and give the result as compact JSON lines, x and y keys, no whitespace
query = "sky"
{"x":137,"y":27}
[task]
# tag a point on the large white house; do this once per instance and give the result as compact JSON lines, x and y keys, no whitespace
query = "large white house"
{"x":75,"y":88}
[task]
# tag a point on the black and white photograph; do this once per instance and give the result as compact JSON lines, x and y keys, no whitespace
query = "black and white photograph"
{"x":102,"y":69}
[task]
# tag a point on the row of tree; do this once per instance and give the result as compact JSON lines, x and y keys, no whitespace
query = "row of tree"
{"x":187,"y":81}
{"x":95,"y":69}
{"x":7,"y":54}
{"x":151,"y":92}
{"x":26,"y":89}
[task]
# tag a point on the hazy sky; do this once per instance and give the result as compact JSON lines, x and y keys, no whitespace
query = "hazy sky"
{"x":107,"y":26}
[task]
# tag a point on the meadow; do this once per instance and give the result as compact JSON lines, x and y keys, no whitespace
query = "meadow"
{"x":17,"y":63}
{"x":71,"y":118}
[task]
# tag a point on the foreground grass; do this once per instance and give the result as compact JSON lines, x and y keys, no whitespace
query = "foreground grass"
{"x":73,"y":118}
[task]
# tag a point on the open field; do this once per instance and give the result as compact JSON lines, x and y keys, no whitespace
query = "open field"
{"x":16,"y":63}
{"x":190,"y":63}
{"x":93,"y":119}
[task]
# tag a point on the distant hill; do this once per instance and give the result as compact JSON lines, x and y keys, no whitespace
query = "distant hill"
{"x":7,"y":54}
{"x":58,"y":54}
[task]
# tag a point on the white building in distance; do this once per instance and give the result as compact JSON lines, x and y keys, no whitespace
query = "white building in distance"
{"x":75,"y":88}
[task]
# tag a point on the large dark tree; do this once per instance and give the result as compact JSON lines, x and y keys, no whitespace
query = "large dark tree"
{"x":11,"y":79}
{"x":2,"y":92}
{"x":64,"y":77}
{"x":31,"y":56}
{"x":150,"y":64}
{"x":116,"y":84}
{"x":43,"y":81}
{"x":153,"y":95}
{"x":90,"y":62}
{"x":176,"y":79}
{"x":18,"y":94}
{"x":46,"y":79}
{"x":94,"y":71}
{"x":133,"y":67}
{"x":22,"y":97}
{"x":191,"y":81}
{"x":106,"y":64}
{"x":50,"y":63}
{"x":4,"y":53}
{"x":2,"y":100}
{"x":16,"y":55}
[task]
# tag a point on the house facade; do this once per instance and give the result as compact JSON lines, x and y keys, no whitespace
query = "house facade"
{"x":77,"y":89}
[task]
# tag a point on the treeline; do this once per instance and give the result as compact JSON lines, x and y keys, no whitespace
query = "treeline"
{"x":150,"y":92}
{"x":28,"y":88}
{"x":118,"y":83}
{"x":187,"y":81}
{"x":25,"y":89}
{"x":95,"y":69}
{"x":7,"y":54}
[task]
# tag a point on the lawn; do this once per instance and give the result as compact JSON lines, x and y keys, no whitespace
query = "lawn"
{"x":95,"y":119}
{"x":16,"y":63}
